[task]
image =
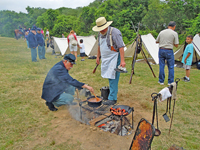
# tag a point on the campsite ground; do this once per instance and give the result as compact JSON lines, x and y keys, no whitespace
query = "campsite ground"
{"x":26,"y":123}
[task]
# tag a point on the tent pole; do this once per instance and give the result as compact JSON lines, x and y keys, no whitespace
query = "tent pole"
{"x":145,"y":58}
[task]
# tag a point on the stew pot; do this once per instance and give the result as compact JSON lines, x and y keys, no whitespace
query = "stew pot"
{"x":94,"y":103}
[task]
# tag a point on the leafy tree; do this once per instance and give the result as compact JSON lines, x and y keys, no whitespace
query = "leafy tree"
{"x":63,"y":25}
{"x":195,"y":25}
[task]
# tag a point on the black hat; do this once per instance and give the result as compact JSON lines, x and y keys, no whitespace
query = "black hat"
{"x":33,"y":29}
{"x":38,"y":29}
{"x":70,"y":57}
{"x":172,"y":24}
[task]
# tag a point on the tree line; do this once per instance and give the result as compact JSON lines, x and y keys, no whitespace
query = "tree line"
{"x":153,"y":16}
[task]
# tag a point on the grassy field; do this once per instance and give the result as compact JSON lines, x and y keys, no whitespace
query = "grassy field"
{"x":26,"y":123}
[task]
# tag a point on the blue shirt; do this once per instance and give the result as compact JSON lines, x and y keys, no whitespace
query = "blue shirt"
{"x":57,"y":81}
{"x":188,"y":49}
{"x":40,"y":39}
{"x":32,"y":40}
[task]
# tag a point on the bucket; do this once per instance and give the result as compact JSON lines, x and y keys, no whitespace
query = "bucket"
{"x":105,"y":92}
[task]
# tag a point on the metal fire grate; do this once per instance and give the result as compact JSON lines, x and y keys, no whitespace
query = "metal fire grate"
{"x":101,"y":110}
{"x":95,"y":112}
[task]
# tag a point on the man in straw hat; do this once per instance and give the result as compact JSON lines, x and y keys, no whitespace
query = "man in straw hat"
{"x":111,"y":50}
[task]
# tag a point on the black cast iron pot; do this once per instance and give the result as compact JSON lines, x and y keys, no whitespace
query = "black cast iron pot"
{"x":94,"y":104}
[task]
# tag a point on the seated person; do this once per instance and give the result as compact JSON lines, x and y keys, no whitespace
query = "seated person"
{"x":59,"y":86}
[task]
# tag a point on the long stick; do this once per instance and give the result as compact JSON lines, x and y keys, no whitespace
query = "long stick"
{"x":145,"y":58}
{"x":172,"y":117}
{"x":134,"y":59}
{"x":95,"y":68}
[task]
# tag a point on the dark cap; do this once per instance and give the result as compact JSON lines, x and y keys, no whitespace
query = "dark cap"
{"x":38,"y":29}
{"x":70,"y":57}
{"x":33,"y":29}
{"x":172,"y":24}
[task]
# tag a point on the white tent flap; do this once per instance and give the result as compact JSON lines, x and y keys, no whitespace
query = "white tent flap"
{"x":150,"y":45}
{"x":60,"y":45}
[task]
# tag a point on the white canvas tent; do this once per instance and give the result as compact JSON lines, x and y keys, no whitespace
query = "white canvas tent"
{"x":49,"y":50}
{"x":61,"y":44}
{"x":196,"y":54}
{"x":93,"y":52}
{"x":88,"y":41}
{"x":149,"y":43}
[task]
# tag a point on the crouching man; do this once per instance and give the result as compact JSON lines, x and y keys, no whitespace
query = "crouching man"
{"x":59,"y":86}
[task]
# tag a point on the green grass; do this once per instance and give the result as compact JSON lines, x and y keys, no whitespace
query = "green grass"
{"x":24,"y":117}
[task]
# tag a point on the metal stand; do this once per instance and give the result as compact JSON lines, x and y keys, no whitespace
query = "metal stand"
{"x":102,"y":110}
{"x":138,"y":49}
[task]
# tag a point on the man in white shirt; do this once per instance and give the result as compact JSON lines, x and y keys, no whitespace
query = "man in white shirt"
{"x":167,"y":39}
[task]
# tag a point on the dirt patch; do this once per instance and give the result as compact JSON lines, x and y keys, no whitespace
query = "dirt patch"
{"x":67,"y":128}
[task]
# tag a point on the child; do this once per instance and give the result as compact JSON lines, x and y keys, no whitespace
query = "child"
{"x":82,"y":50}
{"x":47,"y":40}
{"x":187,"y":57}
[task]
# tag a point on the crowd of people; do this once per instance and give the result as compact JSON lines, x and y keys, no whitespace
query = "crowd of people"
{"x":59,"y":86}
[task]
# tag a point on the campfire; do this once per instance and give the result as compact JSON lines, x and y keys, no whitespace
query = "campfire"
{"x":110,"y":119}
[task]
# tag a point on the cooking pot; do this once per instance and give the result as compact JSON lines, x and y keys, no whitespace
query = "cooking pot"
{"x":105,"y":92}
{"x":94,"y":103}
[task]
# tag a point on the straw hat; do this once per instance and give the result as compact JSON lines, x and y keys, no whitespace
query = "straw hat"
{"x":101,"y":24}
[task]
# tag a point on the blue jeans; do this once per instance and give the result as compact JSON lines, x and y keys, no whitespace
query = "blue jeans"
{"x":113,"y":84}
{"x":27,"y":43}
{"x":34,"y":54}
{"x":66,"y":97}
{"x":41,"y":52}
{"x":167,"y":55}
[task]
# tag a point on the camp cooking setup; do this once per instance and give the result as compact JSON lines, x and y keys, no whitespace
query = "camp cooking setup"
{"x":119,"y":119}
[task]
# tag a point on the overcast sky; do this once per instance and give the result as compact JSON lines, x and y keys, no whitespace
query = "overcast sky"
{"x":20,"y":5}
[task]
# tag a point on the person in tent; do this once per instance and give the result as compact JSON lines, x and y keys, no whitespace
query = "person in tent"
{"x":59,"y":86}
{"x":167,"y":39}
{"x":111,"y":56}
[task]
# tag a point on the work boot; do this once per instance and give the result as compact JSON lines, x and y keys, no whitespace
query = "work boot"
{"x":51,"y":106}
{"x":109,"y":102}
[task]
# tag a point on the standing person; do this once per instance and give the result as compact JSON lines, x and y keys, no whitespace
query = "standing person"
{"x":63,"y":36}
{"x":34,"y":27}
{"x":111,"y":56}
{"x":82,"y":50}
{"x":32,"y":40}
{"x":187,"y":57}
{"x":167,"y":39}
{"x":47,"y":32}
{"x":26,"y":37}
{"x":42,"y":32}
{"x":59,"y":86}
{"x":47,"y":40}
{"x":73,"y":43}
{"x":41,"y":44}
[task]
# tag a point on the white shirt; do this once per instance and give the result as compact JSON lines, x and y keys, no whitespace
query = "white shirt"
{"x":82,"y":49}
{"x":167,"y":38}
{"x":47,"y":32}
